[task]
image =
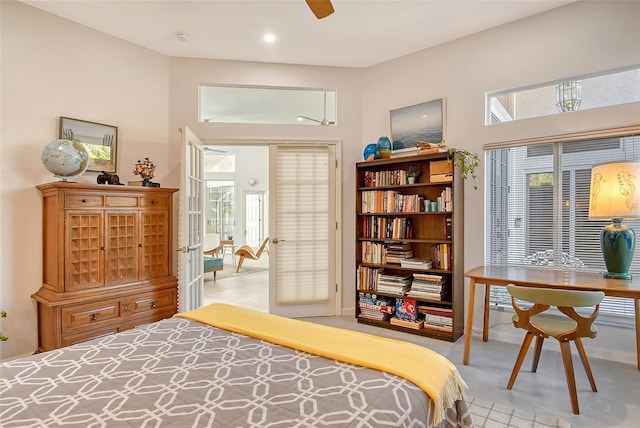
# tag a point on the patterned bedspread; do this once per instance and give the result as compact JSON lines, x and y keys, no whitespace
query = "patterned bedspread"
{"x":181,"y":373}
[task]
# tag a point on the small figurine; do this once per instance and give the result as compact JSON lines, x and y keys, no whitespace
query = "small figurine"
{"x":108,"y":178}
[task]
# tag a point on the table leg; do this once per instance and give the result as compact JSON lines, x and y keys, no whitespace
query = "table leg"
{"x":637,"y":307}
{"x":485,"y":323}
{"x":469,"y":325}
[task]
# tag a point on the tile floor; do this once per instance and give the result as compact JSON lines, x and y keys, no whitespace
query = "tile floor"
{"x":617,"y":404}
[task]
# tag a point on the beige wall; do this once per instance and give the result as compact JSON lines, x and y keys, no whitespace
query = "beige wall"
{"x":583,"y":37}
{"x":51,"y":67}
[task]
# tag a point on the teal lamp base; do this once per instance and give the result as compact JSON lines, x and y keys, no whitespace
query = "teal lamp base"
{"x":618,"y":243}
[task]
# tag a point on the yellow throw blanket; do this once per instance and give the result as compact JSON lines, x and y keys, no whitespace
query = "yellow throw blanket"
{"x":432,"y":372}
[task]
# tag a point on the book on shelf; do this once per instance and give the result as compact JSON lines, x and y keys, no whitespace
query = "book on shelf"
{"x":447,"y":227}
{"x":428,"y":276}
{"x":407,"y":309}
{"x":416,"y":263}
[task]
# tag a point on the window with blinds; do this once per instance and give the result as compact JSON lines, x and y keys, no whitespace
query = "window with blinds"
{"x":538,"y":208}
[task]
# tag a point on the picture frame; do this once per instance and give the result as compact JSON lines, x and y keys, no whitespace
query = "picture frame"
{"x":100,"y":140}
{"x":419,"y":122}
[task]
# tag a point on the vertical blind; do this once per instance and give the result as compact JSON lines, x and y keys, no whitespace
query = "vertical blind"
{"x":538,"y":208}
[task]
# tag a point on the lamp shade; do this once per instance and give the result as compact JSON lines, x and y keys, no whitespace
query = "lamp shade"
{"x":615,"y":191}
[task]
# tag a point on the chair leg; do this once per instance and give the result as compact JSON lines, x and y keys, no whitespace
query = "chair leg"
{"x":571,"y":379}
{"x":536,"y":353}
{"x":240,"y":263}
{"x":585,"y":363}
{"x":523,"y":353}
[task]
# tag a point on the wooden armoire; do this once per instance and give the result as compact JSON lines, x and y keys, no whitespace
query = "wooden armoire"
{"x":107,"y":261}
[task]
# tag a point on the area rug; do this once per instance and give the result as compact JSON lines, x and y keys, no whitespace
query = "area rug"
{"x":491,"y":415}
{"x":229,"y":271}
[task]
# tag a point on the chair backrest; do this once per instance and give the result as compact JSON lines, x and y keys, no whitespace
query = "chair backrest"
{"x":555,"y":297}
{"x":262,"y":247}
{"x":564,"y":300}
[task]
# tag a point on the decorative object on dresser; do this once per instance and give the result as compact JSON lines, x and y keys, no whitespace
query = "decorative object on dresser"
{"x":409,"y":245}
{"x":100,"y":141}
{"x":107,"y":261}
{"x":66,"y":159}
{"x":108,"y":178}
{"x":615,"y":196}
{"x":146,"y":170}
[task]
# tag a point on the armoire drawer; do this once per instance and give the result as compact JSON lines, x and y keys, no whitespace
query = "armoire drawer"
{"x":151,"y":302}
{"x":72,"y":339}
{"x":90,"y":315}
{"x":83,"y":201}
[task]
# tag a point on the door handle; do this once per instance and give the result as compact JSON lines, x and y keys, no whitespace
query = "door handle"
{"x":181,"y":249}
{"x":276,"y":240}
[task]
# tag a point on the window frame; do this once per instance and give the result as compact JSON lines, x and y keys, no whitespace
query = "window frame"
{"x":613,"y":310}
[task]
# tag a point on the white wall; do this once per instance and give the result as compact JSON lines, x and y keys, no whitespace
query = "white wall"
{"x":51,"y":68}
{"x":583,"y":37}
{"x":252,"y":163}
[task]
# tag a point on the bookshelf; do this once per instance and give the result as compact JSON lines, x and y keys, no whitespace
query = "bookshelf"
{"x":409,"y":246}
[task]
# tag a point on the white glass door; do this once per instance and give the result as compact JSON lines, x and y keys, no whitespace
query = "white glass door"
{"x":191,"y":223}
{"x":302,"y":228}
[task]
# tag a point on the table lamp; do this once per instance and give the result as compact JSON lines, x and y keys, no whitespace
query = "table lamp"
{"x":615,"y":195}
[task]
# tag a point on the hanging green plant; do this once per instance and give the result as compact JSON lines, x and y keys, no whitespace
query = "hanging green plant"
{"x":466,"y":162}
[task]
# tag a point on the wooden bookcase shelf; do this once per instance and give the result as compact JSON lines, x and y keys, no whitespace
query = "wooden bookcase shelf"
{"x":394,"y":224}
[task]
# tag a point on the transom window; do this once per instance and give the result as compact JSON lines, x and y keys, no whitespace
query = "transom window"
{"x":576,"y":93}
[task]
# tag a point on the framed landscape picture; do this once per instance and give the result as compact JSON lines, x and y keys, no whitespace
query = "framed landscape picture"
{"x":420,"y":122}
{"x":100,"y":140}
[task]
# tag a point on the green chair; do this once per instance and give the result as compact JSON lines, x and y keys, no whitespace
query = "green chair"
{"x":566,"y":327}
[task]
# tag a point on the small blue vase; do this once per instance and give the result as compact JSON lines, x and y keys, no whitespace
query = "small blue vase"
{"x":370,"y":152}
{"x":384,"y":148}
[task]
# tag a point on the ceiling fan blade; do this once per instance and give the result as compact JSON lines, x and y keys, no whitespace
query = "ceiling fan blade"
{"x":320,"y":8}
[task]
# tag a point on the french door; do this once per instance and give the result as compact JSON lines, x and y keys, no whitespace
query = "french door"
{"x":191,"y":223}
{"x":303,"y":230}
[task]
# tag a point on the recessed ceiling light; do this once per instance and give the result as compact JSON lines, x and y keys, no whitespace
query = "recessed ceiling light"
{"x":269,"y":38}
{"x":183,"y":37}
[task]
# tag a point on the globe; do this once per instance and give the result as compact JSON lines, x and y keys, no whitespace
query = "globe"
{"x":65,"y":159}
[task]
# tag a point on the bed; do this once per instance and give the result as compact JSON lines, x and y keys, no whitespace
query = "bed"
{"x":225,"y":366}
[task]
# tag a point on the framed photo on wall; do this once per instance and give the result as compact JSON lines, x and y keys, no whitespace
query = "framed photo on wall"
{"x":420,"y":122}
{"x":100,"y":140}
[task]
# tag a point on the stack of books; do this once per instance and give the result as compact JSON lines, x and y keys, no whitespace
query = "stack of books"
{"x":437,"y":318}
{"x":397,"y":252}
{"x":393,"y":284}
{"x":416,"y":263}
{"x":375,"y":308}
{"x":428,"y":286}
